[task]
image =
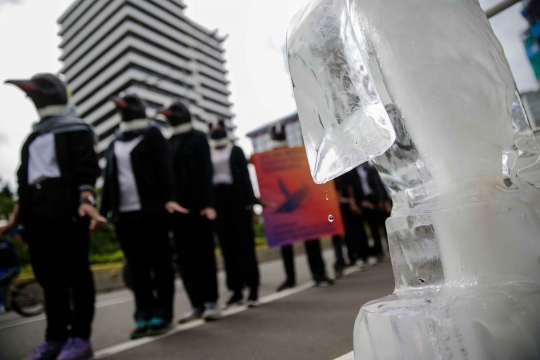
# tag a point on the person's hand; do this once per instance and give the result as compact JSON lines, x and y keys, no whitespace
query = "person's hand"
{"x":355,"y":208}
{"x":173,"y":206}
{"x":86,"y":209}
{"x":210,"y":213}
{"x":95,"y":226}
{"x":343,"y":200}
{"x":367,"y":204}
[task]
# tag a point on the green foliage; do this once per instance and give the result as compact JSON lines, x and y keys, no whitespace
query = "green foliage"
{"x":260,"y":236}
{"x":107,"y":258}
{"x":6,"y":201}
{"x":104,"y":241}
{"x":22,"y":250}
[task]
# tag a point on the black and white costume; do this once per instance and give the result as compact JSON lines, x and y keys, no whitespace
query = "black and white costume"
{"x":58,"y":162}
{"x":193,"y":232}
{"x":234,"y":201}
{"x":138,"y":184}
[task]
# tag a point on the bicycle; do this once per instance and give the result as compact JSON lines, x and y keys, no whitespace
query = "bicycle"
{"x":26,"y":298}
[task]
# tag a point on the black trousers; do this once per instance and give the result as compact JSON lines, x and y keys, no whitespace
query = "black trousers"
{"x":315,"y":260}
{"x":194,"y":241}
{"x":237,"y":240}
{"x":59,"y":256}
{"x":145,"y":242}
{"x":373,"y":219}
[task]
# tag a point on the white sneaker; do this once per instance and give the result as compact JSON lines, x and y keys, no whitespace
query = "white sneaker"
{"x":211,"y":312}
{"x":253,"y":303}
{"x":372,"y":261}
{"x":191,"y":314}
{"x":360,"y":263}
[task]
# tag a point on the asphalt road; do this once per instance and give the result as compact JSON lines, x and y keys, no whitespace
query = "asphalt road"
{"x":304,"y":323}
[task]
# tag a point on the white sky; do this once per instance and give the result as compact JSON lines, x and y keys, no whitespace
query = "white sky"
{"x":260,"y":85}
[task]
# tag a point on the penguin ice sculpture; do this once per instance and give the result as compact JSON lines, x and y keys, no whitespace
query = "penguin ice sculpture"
{"x":464,"y":229}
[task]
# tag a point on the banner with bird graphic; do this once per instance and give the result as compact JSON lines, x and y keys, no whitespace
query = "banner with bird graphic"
{"x":299,"y":209}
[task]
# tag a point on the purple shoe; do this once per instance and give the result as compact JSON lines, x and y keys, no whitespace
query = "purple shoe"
{"x":48,"y":350}
{"x":76,"y":349}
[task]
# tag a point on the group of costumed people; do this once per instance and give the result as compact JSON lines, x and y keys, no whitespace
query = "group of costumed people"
{"x":152,"y":186}
{"x":190,"y":185}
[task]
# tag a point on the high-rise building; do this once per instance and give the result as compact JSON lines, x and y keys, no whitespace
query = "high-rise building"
{"x":147,"y":47}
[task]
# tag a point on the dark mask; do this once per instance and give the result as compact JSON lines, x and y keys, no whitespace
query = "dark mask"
{"x":43,"y":89}
{"x":177,"y":114}
{"x":130,"y":107}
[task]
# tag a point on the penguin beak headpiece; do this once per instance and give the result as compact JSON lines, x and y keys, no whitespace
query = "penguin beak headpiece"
{"x":278,"y":136}
{"x":43,"y":89}
{"x":130,"y":107}
{"x":177,"y":114}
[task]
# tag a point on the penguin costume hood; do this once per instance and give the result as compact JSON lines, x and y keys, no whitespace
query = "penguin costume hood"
{"x":218,"y":135}
{"x":50,"y":97}
{"x":178,"y":117}
{"x":132,"y":110}
{"x":278,"y":136}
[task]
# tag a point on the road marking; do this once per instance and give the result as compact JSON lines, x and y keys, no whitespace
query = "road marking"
{"x":99,"y":304}
{"x":115,"y":349}
{"x":348,"y":356}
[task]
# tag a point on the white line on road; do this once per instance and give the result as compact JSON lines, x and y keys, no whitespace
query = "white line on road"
{"x":115,"y":349}
{"x":99,"y":304}
{"x":348,"y":356}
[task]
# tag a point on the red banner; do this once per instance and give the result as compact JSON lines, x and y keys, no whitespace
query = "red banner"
{"x":301,"y":210}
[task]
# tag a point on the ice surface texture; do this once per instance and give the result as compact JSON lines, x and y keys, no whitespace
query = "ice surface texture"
{"x":344,"y":122}
{"x":465,"y":230}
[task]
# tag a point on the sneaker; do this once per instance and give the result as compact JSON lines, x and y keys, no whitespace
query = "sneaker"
{"x":2,"y":309}
{"x":76,"y":349}
{"x":325,"y":282}
{"x":211,"y":312}
{"x":191,"y":314}
{"x":48,"y":350}
{"x":253,"y":298}
{"x":286,"y":285}
{"x":372,"y":261}
{"x":158,"y":326}
{"x":338,"y":270}
{"x":237,"y":299}
{"x":140,"y":331}
{"x":359,"y":263}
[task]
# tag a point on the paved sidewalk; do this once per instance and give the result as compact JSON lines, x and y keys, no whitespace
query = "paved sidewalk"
{"x":313,"y":324}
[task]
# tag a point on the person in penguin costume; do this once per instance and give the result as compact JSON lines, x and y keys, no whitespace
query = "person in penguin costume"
{"x":137,"y":196}
{"x":313,"y":246}
{"x":193,"y":232}
{"x":56,"y":178}
{"x":234,"y":207}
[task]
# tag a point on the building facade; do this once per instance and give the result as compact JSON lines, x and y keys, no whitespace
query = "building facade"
{"x":145,"y":47}
{"x":260,"y":137}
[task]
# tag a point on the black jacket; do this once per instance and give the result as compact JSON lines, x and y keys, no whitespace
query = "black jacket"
{"x":241,"y":181}
{"x":151,"y":162}
{"x":375,"y":183}
{"x":79,"y":170}
{"x":192,"y":170}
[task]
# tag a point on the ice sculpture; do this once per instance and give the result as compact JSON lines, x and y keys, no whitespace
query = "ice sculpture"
{"x":422,"y":87}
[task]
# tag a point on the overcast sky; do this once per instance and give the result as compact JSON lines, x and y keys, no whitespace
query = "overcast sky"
{"x":260,"y":85}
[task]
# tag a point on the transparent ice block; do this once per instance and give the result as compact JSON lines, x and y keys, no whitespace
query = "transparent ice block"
{"x":464,"y":234}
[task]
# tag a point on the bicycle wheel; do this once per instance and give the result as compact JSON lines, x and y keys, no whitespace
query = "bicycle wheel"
{"x":26,"y":299}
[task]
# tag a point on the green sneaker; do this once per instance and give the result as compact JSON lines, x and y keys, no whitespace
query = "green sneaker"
{"x":158,"y":326}
{"x":140,"y":331}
